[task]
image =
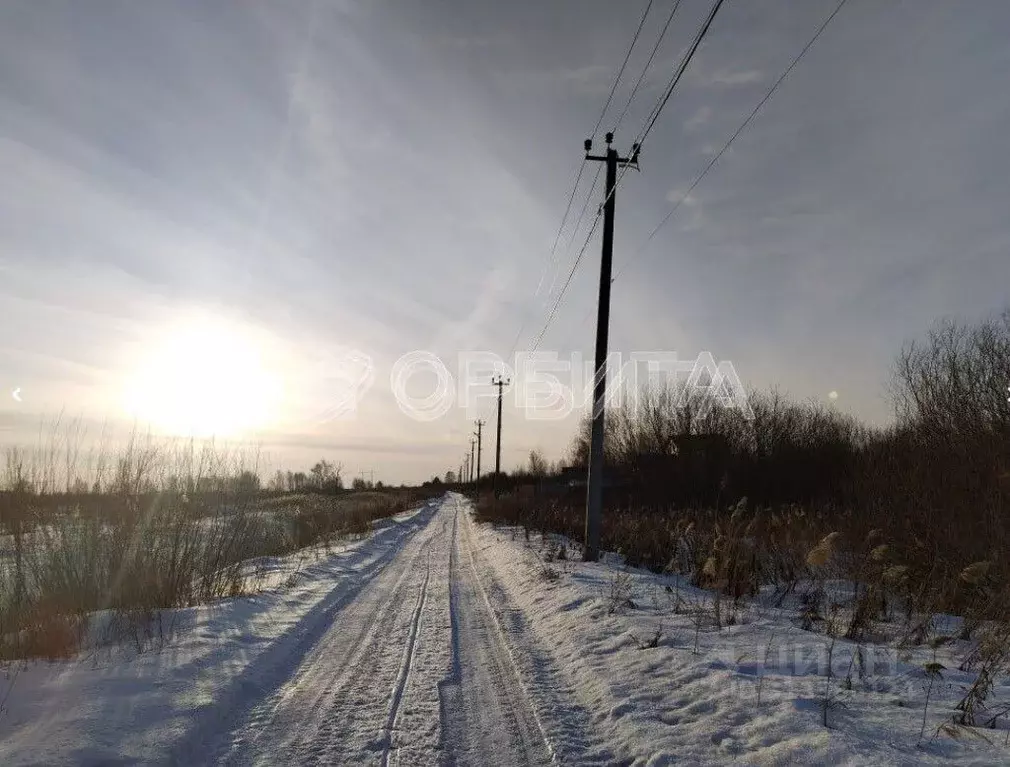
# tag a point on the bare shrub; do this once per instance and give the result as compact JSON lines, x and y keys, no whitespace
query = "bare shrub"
{"x":149,"y":525}
{"x":619,"y":594}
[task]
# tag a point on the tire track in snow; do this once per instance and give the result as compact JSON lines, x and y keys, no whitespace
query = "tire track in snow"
{"x":408,"y":660}
{"x":417,"y":731}
{"x":450,"y":700}
{"x":419,"y":666}
{"x":564,"y":722}
{"x":488,"y":716}
{"x":222,"y":732}
{"x":351,"y":708}
{"x":326,"y":704}
{"x":503,"y":642}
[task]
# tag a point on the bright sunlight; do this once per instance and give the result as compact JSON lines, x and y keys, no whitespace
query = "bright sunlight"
{"x":204,"y":377}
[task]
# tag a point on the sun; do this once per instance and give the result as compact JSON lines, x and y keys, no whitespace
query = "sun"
{"x":203,"y":377}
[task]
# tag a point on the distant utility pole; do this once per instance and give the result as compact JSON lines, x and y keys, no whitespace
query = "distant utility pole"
{"x":480,"y":427}
{"x":473,"y":441}
{"x":499,"y":382}
{"x":465,"y":476}
{"x":594,"y":493}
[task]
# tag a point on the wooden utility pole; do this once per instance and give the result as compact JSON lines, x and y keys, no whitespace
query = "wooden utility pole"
{"x":473,"y":441}
{"x":480,"y":427}
{"x":594,"y":492}
{"x":499,"y":382}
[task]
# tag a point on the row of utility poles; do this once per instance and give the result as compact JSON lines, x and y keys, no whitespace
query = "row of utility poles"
{"x":469,"y":469}
{"x":594,"y":480}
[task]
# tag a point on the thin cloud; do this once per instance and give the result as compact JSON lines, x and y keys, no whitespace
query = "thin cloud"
{"x":742,"y":77}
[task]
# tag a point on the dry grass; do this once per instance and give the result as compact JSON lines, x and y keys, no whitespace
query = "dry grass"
{"x":153,"y":525}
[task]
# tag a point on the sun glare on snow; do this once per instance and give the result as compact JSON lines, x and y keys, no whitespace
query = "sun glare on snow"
{"x":203,"y":378}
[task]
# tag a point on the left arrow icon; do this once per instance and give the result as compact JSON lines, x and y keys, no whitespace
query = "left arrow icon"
{"x":17,"y":394}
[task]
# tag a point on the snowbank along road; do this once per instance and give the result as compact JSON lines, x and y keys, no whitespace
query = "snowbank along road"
{"x":422,"y":664}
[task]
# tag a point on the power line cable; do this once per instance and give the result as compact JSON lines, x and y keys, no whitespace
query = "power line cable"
{"x":564,"y":220}
{"x":624,"y":64}
{"x":645,"y":69}
{"x":568,"y":281}
{"x":725,"y":148}
{"x":552,"y":261}
{"x":654,"y":114}
{"x":734,"y":137}
{"x":578,"y":259}
{"x":620,"y":119}
{"x":582,"y":165}
{"x":578,"y":222}
{"x":685,"y":61}
{"x":680,"y":71}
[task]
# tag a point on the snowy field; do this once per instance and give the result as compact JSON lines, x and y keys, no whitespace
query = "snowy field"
{"x":436,"y":640}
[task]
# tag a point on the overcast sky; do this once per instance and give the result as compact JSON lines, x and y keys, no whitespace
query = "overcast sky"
{"x":305,"y":178}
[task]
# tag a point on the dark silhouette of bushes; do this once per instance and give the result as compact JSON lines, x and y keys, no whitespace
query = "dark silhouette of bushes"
{"x":932,"y":489}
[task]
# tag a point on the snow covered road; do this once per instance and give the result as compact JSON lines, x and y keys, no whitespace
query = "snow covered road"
{"x":414,"y":669}
{"x":486,"y":712}
{"x":342,"y":703}
{"x":405,"y":647}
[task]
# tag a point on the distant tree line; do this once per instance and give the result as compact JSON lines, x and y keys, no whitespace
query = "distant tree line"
{"x":323,"y":476}
{"x":941,"y":469}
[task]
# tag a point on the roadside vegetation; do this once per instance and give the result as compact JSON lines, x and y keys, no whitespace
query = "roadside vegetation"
{"x":116,"y":534}
{"x":871,"y":535}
